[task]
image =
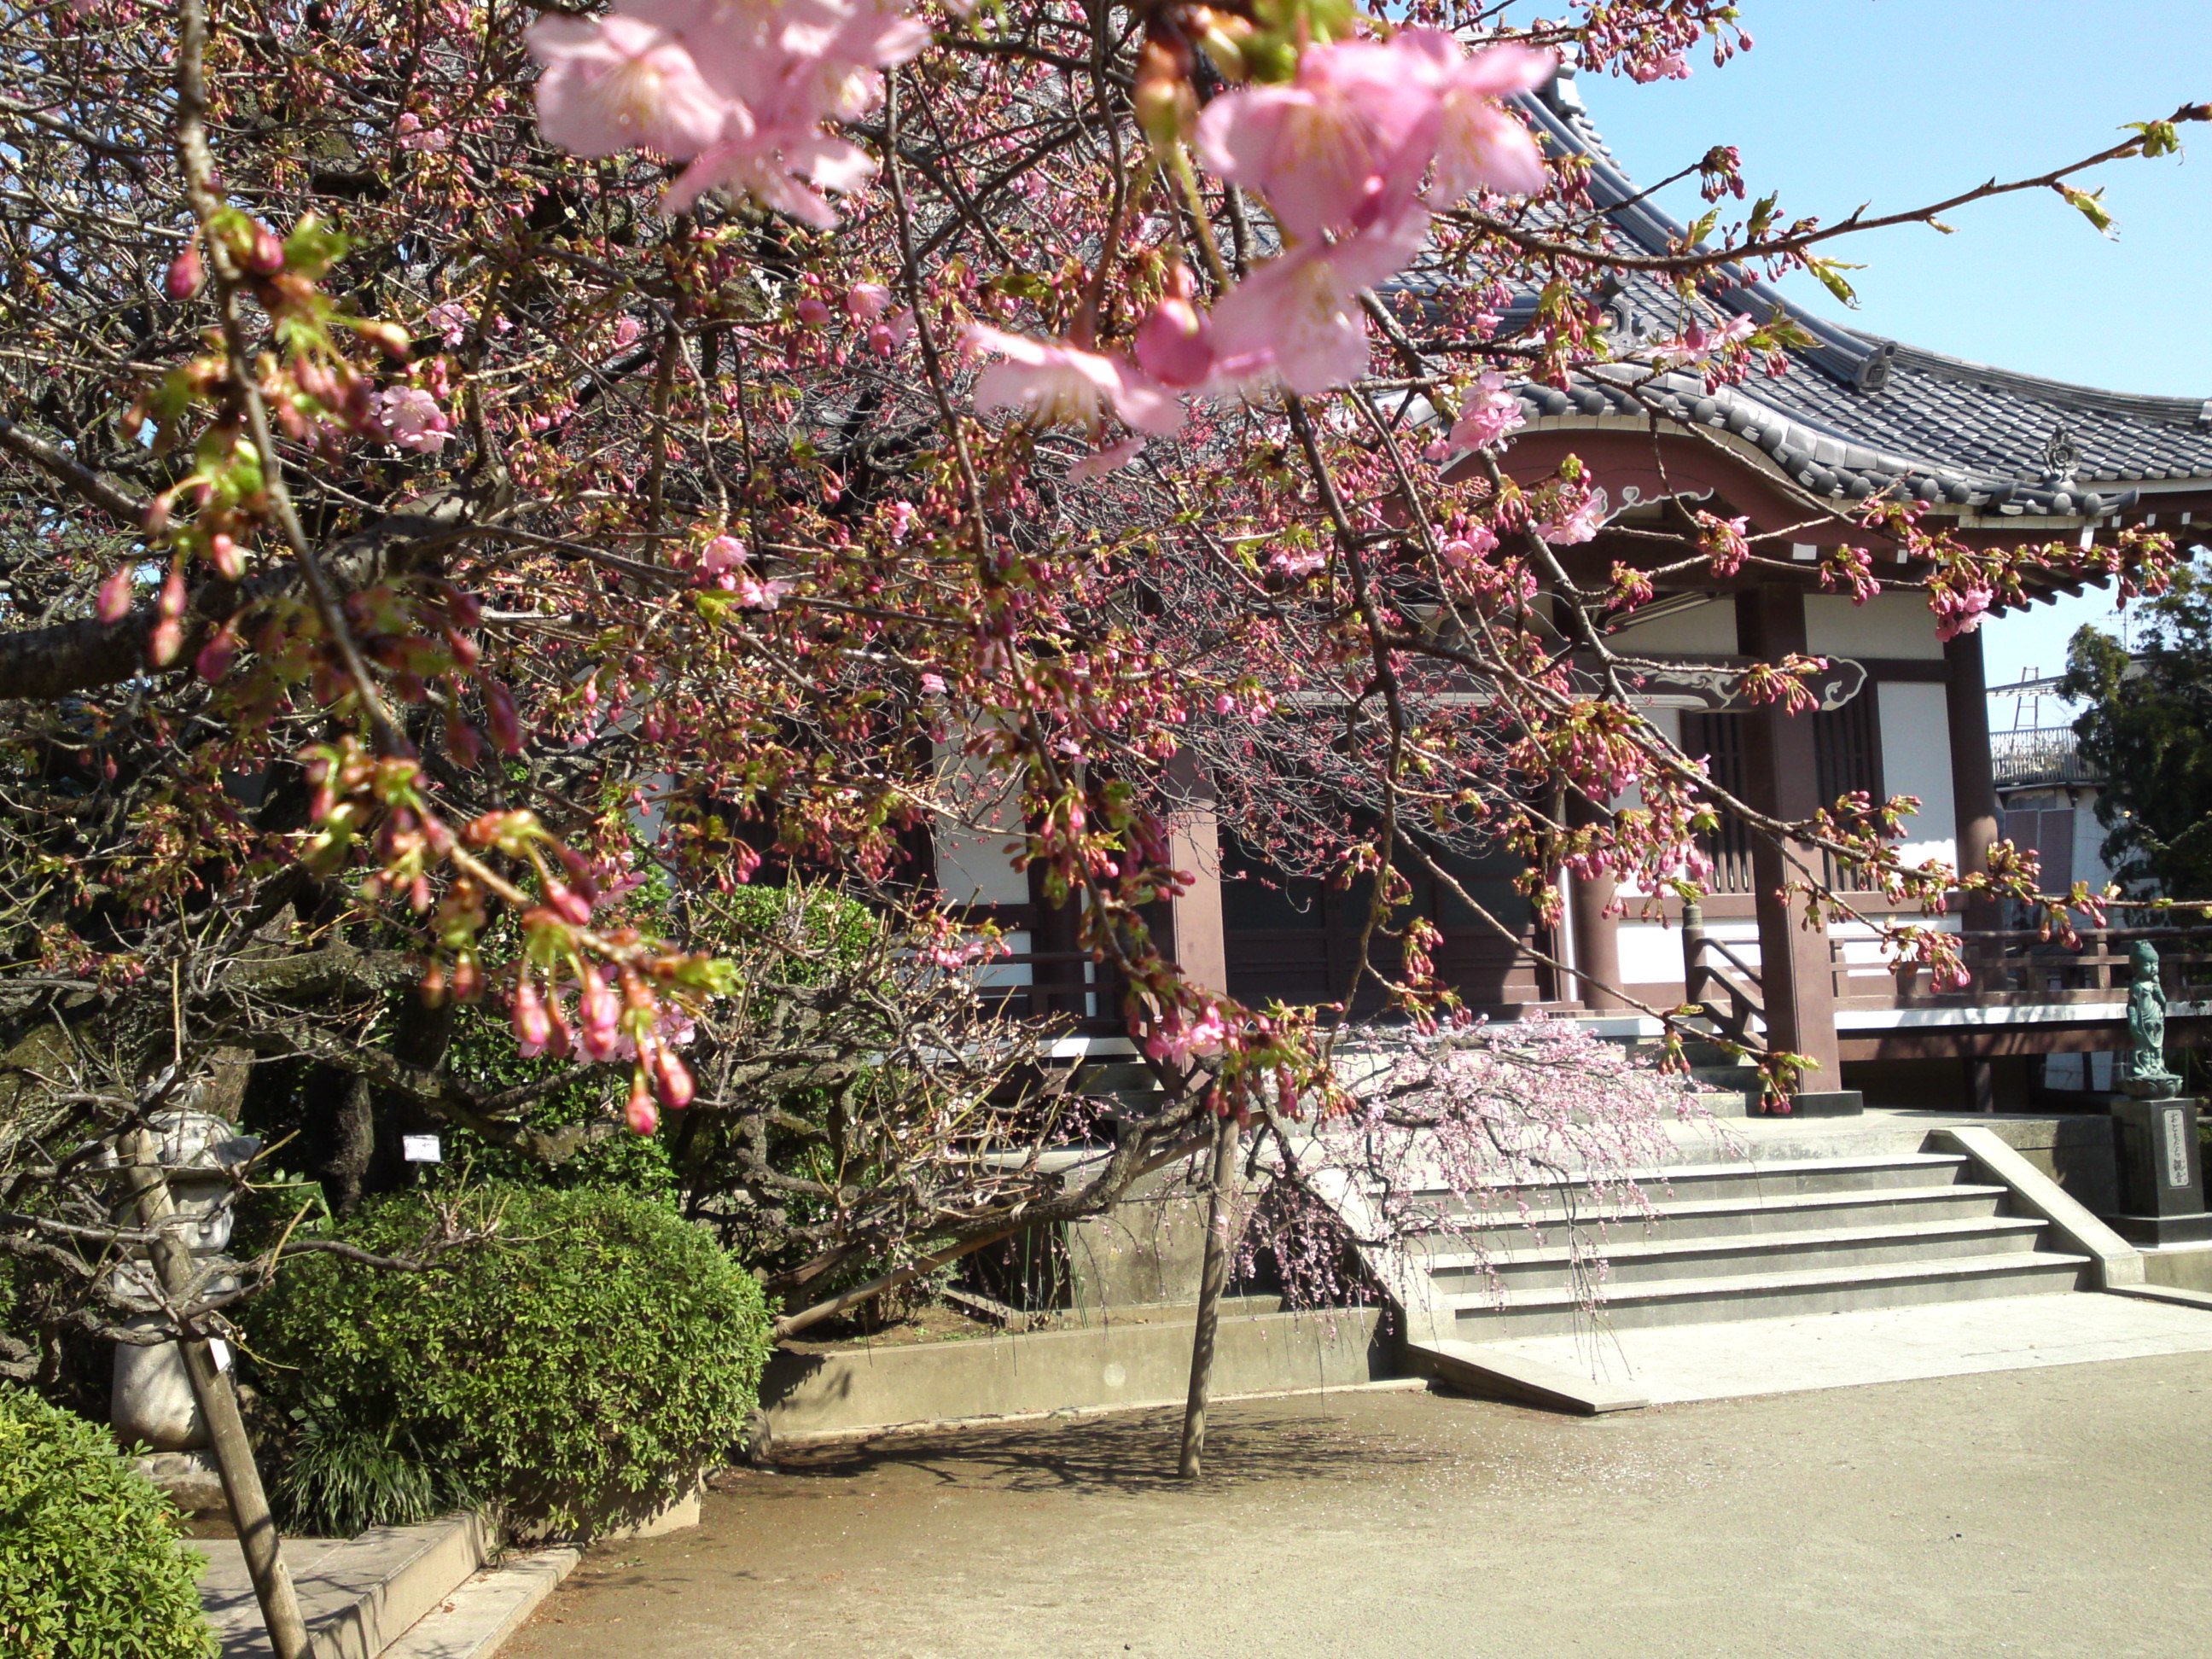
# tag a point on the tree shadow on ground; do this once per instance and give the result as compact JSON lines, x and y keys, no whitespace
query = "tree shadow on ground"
{"x":1134,"y":1454}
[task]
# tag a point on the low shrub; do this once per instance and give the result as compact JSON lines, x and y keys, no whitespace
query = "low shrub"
{"x":90,"y":1563}
{"x":578,"y":1370}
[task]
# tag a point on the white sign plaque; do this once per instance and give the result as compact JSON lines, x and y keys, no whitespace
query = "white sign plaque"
{"x":2178,"y":1128}
{"x":419,"y":1149}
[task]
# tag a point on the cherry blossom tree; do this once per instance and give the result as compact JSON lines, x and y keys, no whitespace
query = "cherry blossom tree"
{"x":459,"y":460}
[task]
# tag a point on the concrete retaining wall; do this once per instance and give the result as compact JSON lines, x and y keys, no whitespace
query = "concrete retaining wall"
{"x":1132,"y":1362}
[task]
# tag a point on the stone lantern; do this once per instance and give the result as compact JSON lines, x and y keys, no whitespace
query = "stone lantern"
{"x":151,"y":1399}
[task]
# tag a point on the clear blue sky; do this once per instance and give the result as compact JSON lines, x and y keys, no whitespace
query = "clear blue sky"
{"x":1903,"y":102}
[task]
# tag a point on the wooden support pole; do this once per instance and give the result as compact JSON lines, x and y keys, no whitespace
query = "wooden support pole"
{"x":1220,"y":1233}
{"x":217,"y":1396}
{"x":1596,"y":935}
{"x":1782,"y":778}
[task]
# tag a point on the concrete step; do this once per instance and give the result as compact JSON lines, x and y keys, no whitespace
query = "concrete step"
{"x":357,"y":1594}
{"x":1717,"y":1218}
{"x":1495,"y":1317}
{"x":1555,"y":1266}
{"x":1694,"y":1183}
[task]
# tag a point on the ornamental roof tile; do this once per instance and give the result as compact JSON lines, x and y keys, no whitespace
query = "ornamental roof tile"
{"x":1854,"y":414}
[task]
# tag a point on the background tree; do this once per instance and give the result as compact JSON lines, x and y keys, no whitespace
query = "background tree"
{"x":2147,"y":733}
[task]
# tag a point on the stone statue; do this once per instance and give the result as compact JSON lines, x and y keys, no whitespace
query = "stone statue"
{"x":2145,"y":1077}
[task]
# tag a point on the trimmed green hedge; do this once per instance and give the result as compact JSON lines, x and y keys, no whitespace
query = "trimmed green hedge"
{"x":90,"y":1564}
{"x":579,"y":1370}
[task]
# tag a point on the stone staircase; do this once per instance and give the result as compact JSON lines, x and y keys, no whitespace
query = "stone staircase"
{"x":1737,"y":1240}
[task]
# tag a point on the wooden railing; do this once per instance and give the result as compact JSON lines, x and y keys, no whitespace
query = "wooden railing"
{"x":1731,"y":1002}
{"x":2019,"y":966}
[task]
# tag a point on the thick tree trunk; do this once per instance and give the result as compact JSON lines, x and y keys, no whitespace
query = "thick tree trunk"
{"x":215,"y":1394}
{"x":1220,"y":1233}
{"x":353,"y":1144}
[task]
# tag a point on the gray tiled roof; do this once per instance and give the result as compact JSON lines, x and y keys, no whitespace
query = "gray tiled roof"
{"x":1855,"y":415}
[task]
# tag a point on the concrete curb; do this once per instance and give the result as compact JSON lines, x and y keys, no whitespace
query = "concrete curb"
{"x":924,"y":1427}
{"x":2167,"y":1294}
{"x":477,"y":1617}
{"x":2118,"y":1263}
{"x":1473,"y":1369}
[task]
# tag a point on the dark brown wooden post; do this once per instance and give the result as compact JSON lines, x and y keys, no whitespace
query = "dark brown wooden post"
{"x":1695,"y":973}
{"x":1782,"y":778}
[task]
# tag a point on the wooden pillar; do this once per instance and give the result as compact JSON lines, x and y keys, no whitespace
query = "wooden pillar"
{"x":1973,"y":781}
{"x":1596,"y":935}
{"x":1782,"y":778}
{"x":1196,"y":942}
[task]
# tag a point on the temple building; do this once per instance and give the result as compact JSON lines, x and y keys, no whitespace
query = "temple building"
{"x":2001,"y":459}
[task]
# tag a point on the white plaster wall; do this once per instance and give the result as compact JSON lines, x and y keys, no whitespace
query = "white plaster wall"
{"x":1708,"y":630}
{"x":1651,"y":952}
{"x":1916,"y":760}
{"x":2088,"y":838}
{"x":1886,"y":625}
{"x":974,"y":870}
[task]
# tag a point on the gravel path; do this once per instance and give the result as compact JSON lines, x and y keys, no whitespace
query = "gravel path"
{"x":2057,"y":1512}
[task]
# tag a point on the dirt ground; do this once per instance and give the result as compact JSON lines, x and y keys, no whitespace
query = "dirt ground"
{"x":2055,"y":1512}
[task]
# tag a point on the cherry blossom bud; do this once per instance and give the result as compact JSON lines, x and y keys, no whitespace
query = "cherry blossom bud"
{"x":527,"y":1014}
{"x":559,"y":1040}
{"x":467,"y":979}
{"x":266,"y":257}
{"x":813,"y":312}
{"x":671,"y":1079}
{"x":503,"y":726}
{"x":432,"y":989}
{"x":567,"y":904}
{"x":115,"y":595}
{"x":223,"y":555}
{"x":168,"y":636}
{"x":216,"y":656}
{"x":599,"y":1010}
{"x":641,"y":1114}
{"x":185,"y":273}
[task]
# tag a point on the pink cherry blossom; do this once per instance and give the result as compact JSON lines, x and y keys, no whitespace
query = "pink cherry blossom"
{"x":1052,"y":381}
{"x":1667,"y":66}
{"x":1173,"y":344}
{"x":414,"y":136}
{"x":1579,"y":521}
{"x":1462,"y":551}
{"x":1297,"y":319}
{"x":450,"y":318}
{"x":1298,"y":563}
{"x":1478,"y":144}
{"x":614,"y":83}
{"x":1112,"y":458}
{"x":1488,"y":414}
{"x":412,"y":419}
{"x":865,"y":301}
{"x":768,"y":167}
{"x":887,"y":334}
{"x":1343,"y":143}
